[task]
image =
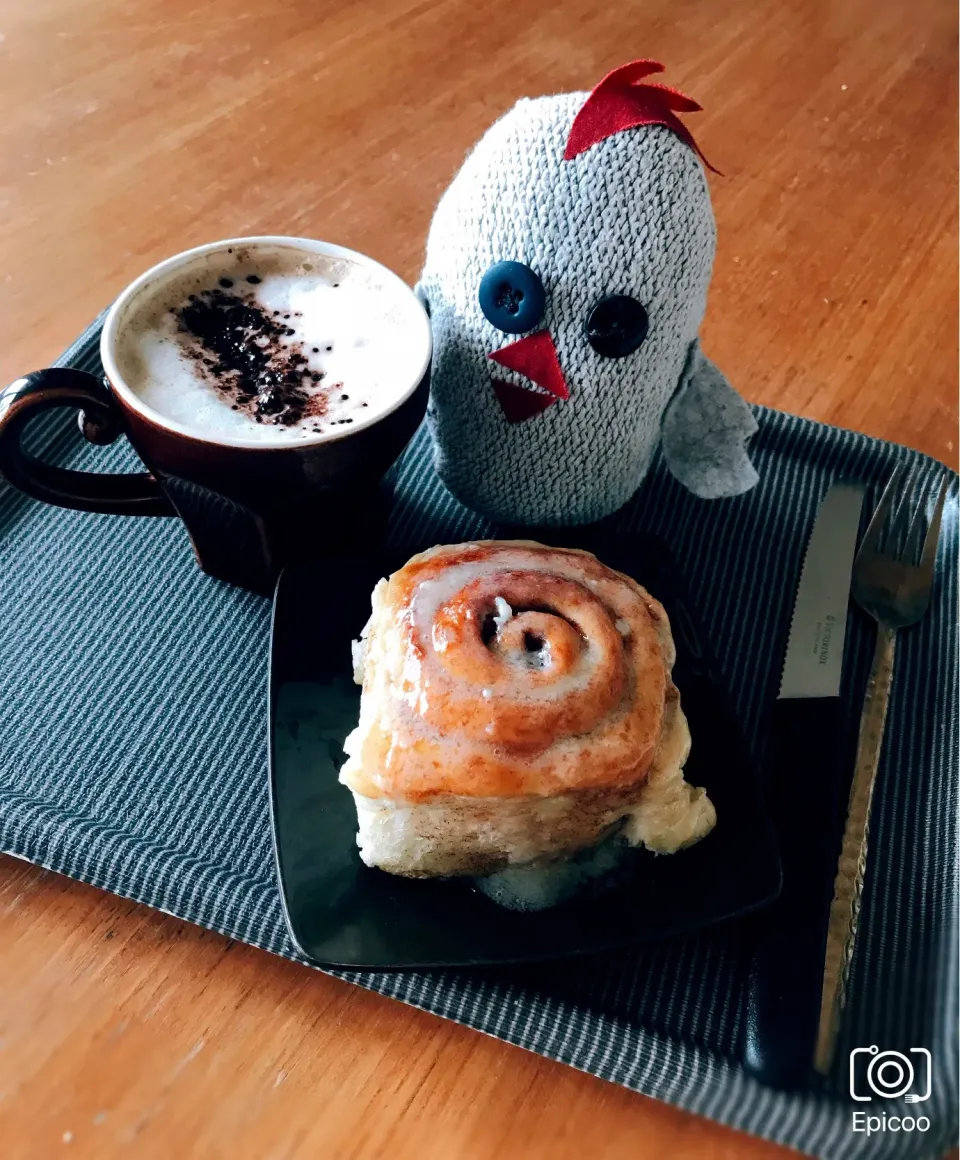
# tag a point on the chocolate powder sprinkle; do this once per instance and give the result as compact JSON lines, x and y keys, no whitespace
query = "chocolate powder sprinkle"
{"x":248,"y":358}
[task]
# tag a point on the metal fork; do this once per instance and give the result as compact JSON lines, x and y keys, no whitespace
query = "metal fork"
{"x":894,"y":588}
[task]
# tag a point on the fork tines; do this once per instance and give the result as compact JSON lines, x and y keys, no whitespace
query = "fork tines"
{"x":903,"y":532}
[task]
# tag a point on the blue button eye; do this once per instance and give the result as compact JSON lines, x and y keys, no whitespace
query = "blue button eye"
{"x":512,"y":297}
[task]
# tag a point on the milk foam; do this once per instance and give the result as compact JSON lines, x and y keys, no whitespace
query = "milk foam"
{"x":361,"y":337}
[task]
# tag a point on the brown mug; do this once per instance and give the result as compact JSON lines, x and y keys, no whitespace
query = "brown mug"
{"x":249,"y":508}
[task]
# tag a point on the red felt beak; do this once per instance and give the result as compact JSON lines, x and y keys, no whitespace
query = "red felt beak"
{"x":535,"y":357}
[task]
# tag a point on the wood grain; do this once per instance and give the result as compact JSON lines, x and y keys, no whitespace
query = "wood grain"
{"x":135,"y":128}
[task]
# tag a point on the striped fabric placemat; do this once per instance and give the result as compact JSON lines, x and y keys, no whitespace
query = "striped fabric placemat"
{"x":134,"y":756}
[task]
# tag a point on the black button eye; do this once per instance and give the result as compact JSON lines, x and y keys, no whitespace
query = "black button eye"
{"x":512,"y":297}
{"x":617,"y":326}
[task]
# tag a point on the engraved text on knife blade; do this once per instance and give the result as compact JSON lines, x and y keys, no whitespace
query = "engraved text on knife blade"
{"x":814,"y":659}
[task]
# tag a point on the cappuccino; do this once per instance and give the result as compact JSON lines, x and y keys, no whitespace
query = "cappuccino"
{"x":272,"y":344}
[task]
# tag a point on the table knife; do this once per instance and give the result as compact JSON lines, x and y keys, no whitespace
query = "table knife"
{"x":806,"y":779}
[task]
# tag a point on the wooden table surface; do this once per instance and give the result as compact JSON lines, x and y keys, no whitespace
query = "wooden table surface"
{"x":135,"y":128}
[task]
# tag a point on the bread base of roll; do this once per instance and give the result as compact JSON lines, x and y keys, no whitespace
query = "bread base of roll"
{"x":452,"y":835}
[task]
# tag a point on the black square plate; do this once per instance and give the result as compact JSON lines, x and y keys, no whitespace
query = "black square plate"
{"x":340,"y":913}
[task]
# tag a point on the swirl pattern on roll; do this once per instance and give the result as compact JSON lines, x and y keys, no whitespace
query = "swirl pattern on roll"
{"x":508,"y":668}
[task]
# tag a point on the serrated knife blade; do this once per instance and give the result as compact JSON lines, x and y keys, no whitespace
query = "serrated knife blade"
{"x":814,"y":660}
{"x":807,"y":769}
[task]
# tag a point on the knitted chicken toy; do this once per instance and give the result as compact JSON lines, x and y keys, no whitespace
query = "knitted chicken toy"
{"x":566,"y":277}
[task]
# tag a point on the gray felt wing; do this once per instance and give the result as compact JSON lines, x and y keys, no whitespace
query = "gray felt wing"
{"x":705,"y":431}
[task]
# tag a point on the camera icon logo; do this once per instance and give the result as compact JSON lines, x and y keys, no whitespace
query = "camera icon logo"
{"x":890,"y":1075}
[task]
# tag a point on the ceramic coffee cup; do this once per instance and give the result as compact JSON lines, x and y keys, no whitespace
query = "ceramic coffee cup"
{"x":249,"y":506}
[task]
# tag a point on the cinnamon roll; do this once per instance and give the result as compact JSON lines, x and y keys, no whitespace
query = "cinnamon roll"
{"x":517,"y":710}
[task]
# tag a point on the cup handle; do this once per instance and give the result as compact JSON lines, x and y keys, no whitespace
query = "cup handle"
{"x":100,"y":421}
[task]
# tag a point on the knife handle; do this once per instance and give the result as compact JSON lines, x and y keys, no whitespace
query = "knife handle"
{"x":786,"y":973}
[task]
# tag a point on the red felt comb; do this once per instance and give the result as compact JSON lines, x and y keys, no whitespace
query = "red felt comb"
{"x":621,"y":102}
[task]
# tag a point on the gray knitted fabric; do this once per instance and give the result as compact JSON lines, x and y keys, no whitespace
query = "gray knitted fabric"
{"x":631,"y":215}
